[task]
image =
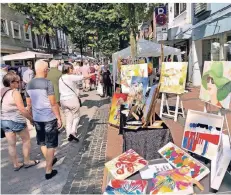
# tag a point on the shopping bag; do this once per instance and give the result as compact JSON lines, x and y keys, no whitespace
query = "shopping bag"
{"x":100,"y":89}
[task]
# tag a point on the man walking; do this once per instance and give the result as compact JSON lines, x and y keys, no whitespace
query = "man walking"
{"x":85,"y":71}
{"x":41,"y":101}
{"x":54,"y":75}
{"x":28,"y":74}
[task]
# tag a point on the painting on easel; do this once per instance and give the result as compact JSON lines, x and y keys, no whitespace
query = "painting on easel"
{"x":173,"y":77}
{"x":216,"y":83}
{"x":117,"y":100}
{"x":150,"y":104}
{"x":128,"y":71}
{"x":138,"y":89}
{"x":202,"y":133}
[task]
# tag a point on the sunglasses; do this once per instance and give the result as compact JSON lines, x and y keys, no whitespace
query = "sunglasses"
{"x":16,"y":82}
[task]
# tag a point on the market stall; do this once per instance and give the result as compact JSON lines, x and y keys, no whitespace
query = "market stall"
{"x":144,"y":49}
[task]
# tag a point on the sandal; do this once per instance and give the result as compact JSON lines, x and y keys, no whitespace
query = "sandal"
{"x":31,"y":165}
{"x":18,"y":168}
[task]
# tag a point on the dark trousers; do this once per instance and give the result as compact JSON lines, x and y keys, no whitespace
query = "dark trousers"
{"x":106,"y":89}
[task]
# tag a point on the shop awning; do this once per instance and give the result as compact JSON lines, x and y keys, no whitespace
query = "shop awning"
{"x":26,"y":55}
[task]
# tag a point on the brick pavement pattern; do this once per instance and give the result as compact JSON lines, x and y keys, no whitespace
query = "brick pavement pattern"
{"x":32,"y":181}
{"x":86,"y":175}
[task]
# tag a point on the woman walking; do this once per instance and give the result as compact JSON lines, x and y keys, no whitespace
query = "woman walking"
{"x":69,"y":99}
{"x":13,"y":121}
{"x":107,"y":84}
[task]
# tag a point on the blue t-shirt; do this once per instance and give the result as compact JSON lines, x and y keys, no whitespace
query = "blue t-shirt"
{"x":38,"y":89}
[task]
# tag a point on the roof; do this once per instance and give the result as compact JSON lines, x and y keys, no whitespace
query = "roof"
{"x":27,"y":55}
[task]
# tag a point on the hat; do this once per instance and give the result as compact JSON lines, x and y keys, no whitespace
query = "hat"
{"x":3,"y":66}
{"x":222,"y":83}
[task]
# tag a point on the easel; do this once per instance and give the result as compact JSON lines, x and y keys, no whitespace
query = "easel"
{"x":220,"y":114}
{"x":218,"y":169}
{"x":176,"y":112}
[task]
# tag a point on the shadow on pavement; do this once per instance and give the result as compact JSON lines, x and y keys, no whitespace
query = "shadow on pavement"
{"x":99,"y":103}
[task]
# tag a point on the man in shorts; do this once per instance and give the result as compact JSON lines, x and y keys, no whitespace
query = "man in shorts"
{"x":45,"y":110}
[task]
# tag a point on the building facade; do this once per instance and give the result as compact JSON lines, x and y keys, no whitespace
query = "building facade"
{"x":203,"y":33}
{"x":16,"y":37}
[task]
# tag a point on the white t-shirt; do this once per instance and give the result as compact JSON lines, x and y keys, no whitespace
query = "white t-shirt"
{"x":65,"y":92}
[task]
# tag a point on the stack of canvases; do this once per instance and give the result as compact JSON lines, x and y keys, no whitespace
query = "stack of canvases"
{"x":175,"y":177}
{"x":134,"y":84}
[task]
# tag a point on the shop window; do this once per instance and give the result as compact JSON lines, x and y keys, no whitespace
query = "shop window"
{"x":27,"y":33}
{"x":4,"y":27}
{"x":179,"y":8}
{"x":16,"y":31}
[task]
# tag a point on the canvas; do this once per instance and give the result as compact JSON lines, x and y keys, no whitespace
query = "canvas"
{"x":117,"y":100}
{"x":202,"y":133}
{"x":173,"y":77}
{"x":150,"y":103}
{"x":138,"y":89}
{"x":179,"y":158}
{"x":126,"y":187}
{"x":128,"y":71}
{"x":216,"y":83}
{"x":174,"y":181}
{"x":125,"y":164}
{"x":148,"y":173}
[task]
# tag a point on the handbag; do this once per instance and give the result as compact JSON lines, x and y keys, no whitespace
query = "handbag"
{"x":4,"y":93}
{"x":80,"y":102}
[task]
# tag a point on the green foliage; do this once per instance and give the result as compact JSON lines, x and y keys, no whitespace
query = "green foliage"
{"x":224,"y":91}
{"x":103,"y":26}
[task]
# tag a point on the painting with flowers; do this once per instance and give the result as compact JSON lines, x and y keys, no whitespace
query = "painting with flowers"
{"x":116,"y":186}
{"x":125,"y":164}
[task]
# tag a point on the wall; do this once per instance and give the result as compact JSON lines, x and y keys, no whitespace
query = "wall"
{"x":8,"y":43}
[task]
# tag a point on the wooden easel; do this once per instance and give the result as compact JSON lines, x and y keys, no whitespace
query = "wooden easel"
{"x":176,"y":112}
{"x":225,"y":118}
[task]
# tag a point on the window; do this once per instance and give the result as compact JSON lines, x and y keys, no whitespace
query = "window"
{"x":179,"y":8}
{"x":44,"y":41}
{"x":53,"y":43}
{"x":4,"y":27}
{"x":16,"y":31}
{"x":27,"y":33}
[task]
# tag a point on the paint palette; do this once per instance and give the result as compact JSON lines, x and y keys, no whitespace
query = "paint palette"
{"x":179,"y":158}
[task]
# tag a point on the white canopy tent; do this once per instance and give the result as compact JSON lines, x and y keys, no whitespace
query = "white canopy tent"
{"x":144,"y":49}
{"x":26,"y":55}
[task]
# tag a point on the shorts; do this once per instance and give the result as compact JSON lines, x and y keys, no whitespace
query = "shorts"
{"x":12,"y":126}
{"x":47,"y":133}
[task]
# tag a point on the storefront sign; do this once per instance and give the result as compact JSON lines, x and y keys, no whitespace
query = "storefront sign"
{"x":162,"y":33}
{"x":160,"y":10}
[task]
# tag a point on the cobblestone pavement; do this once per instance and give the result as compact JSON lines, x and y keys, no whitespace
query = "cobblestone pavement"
{"x":72,"y":157}
{"x":86,"y":175}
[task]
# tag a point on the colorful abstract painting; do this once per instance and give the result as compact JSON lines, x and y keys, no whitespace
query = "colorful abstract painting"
{"x":179,"y":158}
{"x":117,"y":100}
{"x":128,"y":71}
{"x":173,"y":77}
{"x":174,"y":181}
{"x":116,"y":186}
{"x":202,"y":133}
{"x":216,"y":83}
{"x":126,"y":164}
{"x":138,"y":89}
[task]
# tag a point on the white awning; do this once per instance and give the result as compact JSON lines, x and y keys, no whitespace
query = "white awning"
{"x":26,"y":55}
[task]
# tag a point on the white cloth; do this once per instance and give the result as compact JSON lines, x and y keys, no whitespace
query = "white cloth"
{"x":65,"y":92}
{"x":28,"y":75}
{"x":100,"y":89}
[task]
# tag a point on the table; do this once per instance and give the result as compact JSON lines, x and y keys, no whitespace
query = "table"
{"x":146,"y":142}
{"x":225,"y":187}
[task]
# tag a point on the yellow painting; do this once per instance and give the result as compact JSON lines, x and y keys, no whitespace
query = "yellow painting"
{"x":173,"y":77}
{"x":128,"y":71}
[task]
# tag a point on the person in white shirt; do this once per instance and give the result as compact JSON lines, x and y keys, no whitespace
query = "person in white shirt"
{"x":69,"y":99}
{"x":28,"y":75}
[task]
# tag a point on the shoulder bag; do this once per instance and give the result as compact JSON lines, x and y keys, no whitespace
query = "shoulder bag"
{"x":80,"y":102}
{"x":4,"y":93}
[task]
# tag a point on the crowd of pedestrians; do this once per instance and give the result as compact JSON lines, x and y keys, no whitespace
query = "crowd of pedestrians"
{"x":52,"y":102}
